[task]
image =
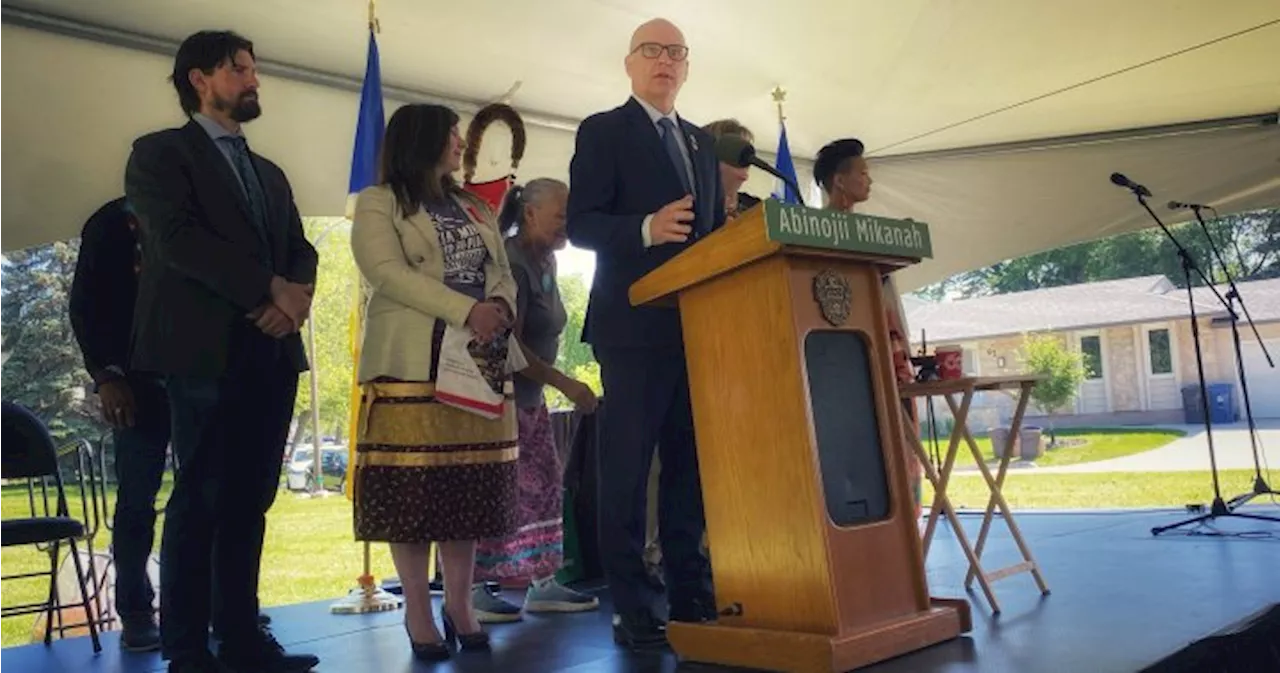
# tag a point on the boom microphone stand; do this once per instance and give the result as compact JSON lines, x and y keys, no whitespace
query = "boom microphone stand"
{"x":1219,"y":507}
{"x":1260,"y":486}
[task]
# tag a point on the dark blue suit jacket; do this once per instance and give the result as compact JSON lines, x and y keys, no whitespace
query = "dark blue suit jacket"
{"x":621,"y":173}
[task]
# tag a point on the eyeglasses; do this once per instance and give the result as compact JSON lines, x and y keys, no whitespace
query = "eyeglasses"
{"x":677,"y":52}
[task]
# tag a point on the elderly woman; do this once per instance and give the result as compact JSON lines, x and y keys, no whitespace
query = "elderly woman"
{"x":733,"y":177}
{"x":534,"y":219}
{"x":841,"y":171}
{"x":433,"y":258}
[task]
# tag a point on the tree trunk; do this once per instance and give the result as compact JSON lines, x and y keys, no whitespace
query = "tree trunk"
{"x":297,"y":431}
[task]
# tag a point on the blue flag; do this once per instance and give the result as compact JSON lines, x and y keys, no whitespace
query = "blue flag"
{"x":370,"y":125}
{"x":786,"y":167}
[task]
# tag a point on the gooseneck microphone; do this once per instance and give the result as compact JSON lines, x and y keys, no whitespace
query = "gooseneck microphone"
{"x":738,"y":152}
{"x":1122,"y":181}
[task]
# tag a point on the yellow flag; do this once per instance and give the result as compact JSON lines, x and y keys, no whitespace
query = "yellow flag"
{"x":353,"y":423}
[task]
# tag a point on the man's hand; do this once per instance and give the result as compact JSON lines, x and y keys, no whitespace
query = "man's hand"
{"x":487,"y":318}
{"x":669,"y":224}
{"x":273,"y":321}
{"x":118,"y":405}
{"x":294,"y":299}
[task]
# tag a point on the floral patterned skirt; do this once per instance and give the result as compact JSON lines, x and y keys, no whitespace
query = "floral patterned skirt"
{"x":536,"y":549}
{"x":427,"y":472}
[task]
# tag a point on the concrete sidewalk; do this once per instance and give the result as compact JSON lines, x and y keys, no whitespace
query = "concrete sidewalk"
{"x":1187,"y":454}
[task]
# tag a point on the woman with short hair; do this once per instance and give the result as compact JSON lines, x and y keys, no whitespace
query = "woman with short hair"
{"x":733,"y":177}
{"x":841,"y":170}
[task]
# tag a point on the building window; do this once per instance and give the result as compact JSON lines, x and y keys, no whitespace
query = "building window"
{"x":1161,"y":354}
{"x":1091,"y":352}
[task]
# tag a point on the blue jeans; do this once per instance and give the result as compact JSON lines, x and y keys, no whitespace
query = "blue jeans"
{"x":140,"y":459}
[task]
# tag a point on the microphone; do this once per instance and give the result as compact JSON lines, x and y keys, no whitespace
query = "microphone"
{"x":1178,"y":205}
{"x":739,"y":153}
{"x":1122,"y":181}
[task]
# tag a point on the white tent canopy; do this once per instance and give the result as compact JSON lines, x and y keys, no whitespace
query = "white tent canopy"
{"x":909,"y":77}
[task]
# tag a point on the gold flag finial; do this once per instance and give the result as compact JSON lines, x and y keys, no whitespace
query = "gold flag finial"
{"x":780,"y":97}
{"x":373,"y":17}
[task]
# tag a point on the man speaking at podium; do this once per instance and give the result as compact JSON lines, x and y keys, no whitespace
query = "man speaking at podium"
{"x":644,"y":185}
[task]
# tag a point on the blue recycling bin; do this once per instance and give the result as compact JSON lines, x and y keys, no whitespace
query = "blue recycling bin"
{"x":1222,"y":402}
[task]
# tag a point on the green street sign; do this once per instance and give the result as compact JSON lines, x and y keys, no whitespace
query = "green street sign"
{"x":833,"y":230}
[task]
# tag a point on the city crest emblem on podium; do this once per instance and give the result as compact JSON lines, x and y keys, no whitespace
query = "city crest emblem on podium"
{"x":832,"y":292}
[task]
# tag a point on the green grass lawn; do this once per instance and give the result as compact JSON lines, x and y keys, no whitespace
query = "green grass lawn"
{"x":1096,"y":490}
{"x":309,"y":555}
{"x":1099,"y":444}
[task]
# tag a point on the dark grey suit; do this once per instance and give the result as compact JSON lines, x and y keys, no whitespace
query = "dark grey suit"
{"x":207,"y":262}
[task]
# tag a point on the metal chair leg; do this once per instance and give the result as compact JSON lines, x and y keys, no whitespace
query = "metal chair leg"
{"x":89,"y":617}
{"x":53,"y":593}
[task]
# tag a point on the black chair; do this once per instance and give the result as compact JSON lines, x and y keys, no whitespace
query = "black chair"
{"x":29,"y":454}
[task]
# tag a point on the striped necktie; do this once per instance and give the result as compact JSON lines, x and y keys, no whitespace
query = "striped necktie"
{"x":249,"y":180}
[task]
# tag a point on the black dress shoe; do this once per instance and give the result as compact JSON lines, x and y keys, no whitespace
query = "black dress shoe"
{"x":264,"y":620}
{"x":427,"y":651}
{"x":199,"y":664}
{"x":639,"y":629}
{"x":261,"y":653}
{"x":478,"y":640}
{"x":140,"y":634}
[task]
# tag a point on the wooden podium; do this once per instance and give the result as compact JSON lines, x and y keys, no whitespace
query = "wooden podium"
{"x":814,"y":547}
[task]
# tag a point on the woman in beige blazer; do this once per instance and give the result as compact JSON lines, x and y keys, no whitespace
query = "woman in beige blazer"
{"x":427,"y":472}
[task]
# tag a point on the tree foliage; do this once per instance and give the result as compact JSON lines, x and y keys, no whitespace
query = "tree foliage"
{"x":1248,"y":242}
{"x":43,"y":369}
{"x":336,"y":282}
{"x":575,"y":358}
{"x":1063,"y":371}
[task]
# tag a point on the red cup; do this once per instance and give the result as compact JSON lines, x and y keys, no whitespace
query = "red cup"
{"x":950,"y":362}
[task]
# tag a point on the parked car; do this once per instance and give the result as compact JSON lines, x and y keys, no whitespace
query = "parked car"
{"x":300,"y":475}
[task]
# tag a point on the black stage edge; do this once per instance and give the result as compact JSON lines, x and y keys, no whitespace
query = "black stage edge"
{"x":1248,"y":646}
{"x":1123,"y":601}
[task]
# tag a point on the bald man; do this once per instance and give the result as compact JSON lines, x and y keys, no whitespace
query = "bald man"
{"x":645,"y":185}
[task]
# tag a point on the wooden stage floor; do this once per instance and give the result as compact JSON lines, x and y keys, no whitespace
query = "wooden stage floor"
{"x":1122,"y":600}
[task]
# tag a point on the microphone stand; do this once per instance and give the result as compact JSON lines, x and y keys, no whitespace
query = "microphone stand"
{"x":1219,"y":507}
{"x":1260,"y":486}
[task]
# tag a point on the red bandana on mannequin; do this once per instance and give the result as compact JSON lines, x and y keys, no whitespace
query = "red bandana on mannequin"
{"x":492,"y":191}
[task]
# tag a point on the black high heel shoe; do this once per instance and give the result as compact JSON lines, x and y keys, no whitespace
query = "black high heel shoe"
{"x":466,"y":641}
{"x":428,"y":651}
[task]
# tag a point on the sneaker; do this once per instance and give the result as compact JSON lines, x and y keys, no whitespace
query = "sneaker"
{"x":492,"y":608}
{"x":552,"y":597}
{"x":140,"y":634}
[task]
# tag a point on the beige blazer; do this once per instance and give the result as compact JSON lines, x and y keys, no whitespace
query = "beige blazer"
{"x":401,"y":259}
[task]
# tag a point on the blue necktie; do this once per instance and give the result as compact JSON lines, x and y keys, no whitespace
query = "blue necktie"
{"x":249,"y":180}
{"x":673,"y":150}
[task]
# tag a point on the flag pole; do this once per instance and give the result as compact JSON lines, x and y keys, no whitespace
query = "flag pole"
{"x":367,"y":596}
{"x":784,"y":163}
{"x":780,"y":97}
{"x":374,"y":26}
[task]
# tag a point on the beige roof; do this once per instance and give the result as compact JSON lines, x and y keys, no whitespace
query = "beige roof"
{"x":906,"y":77}
{"x":1261,"y":298}
{"x":1074,"y":307}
